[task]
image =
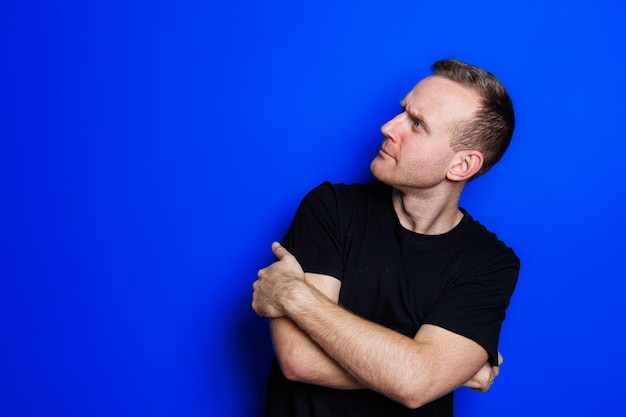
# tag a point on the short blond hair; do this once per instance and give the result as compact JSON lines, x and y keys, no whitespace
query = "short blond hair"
{"x":491,"y":129}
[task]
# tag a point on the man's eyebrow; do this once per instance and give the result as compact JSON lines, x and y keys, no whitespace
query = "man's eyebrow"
{"x":416,"y":117}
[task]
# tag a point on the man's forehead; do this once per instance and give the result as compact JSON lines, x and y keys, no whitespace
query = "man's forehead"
{"x":436,"y":91}
{"x":443,"y":85}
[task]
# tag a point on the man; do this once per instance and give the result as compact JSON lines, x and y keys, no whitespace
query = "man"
{"x":387,"y":296}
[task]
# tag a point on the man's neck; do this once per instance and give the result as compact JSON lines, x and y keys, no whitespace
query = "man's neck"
{"x":427,"y":214}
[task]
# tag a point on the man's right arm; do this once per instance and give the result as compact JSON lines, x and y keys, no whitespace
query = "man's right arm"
{"x":299,"y":357}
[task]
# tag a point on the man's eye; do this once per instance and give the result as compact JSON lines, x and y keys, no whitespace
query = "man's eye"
{"x":417,"y":124}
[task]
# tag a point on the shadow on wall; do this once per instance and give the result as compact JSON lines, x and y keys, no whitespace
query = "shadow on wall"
{"x":252,"y":351}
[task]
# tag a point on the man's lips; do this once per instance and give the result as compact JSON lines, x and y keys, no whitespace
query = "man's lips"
{"x":385,"y":153}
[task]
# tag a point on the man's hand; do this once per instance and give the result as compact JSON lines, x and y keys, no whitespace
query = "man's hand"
{"x":276,"y":282}
{"x":485,"y":376}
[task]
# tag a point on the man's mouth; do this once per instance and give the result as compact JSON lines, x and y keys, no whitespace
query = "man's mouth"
{"x":384,"y":152}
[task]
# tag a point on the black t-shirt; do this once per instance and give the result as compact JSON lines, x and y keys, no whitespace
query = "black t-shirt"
{"x":461,"y":280}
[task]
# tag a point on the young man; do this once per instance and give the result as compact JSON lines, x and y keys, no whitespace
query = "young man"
{"x":387,"y":296}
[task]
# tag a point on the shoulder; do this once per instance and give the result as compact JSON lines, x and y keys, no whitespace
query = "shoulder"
{"x":487,"y":246}
{"x":347,"y":194}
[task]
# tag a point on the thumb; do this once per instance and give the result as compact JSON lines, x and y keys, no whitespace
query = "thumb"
{"x":279,"y":251}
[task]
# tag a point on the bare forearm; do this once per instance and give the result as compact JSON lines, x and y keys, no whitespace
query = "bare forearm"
{"x":303,"y":360}
{"x":381,"y":359}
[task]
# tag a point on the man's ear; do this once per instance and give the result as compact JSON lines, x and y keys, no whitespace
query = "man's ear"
{"x":465,"y":165}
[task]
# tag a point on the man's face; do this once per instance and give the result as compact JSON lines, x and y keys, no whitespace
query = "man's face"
{"x":416,"y":151}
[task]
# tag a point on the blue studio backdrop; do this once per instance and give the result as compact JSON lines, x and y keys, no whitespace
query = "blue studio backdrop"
{"x":152,"y":151}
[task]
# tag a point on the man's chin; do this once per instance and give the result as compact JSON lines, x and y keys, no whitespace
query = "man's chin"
{"x":373,"y":169}
{"x":378,"y":174}
{"x":376,"y":169}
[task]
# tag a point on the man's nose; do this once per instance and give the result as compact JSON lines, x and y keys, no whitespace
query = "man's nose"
{"x":389,"y":128}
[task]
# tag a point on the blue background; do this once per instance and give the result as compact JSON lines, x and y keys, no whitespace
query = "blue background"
{"x":151,"y":151}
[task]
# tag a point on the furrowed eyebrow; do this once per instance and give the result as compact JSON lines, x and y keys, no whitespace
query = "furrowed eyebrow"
{"x":414,"y":116}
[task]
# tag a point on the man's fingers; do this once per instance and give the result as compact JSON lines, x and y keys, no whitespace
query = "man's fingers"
{"x":485,"y":377}
{"x":279,"y":251}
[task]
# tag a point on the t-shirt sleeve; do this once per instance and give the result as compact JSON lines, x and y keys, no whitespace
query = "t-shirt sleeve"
{"x":475,"y":305}
{"x":314,"y":236}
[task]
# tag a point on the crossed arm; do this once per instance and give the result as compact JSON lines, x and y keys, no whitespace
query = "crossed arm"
{"x":319,"y":342}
